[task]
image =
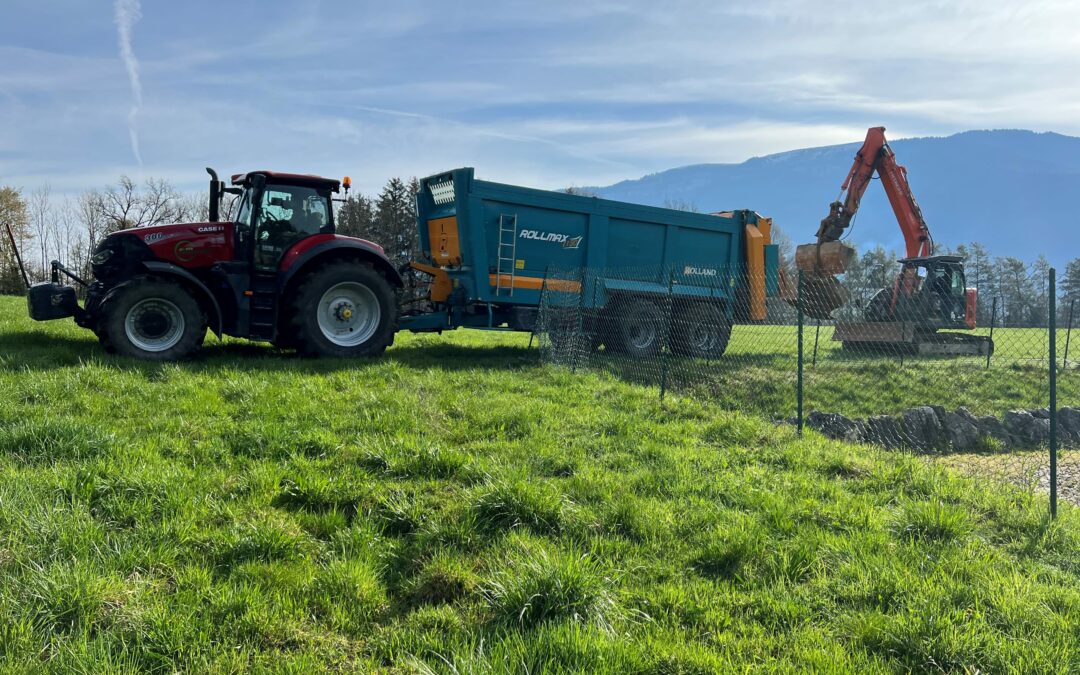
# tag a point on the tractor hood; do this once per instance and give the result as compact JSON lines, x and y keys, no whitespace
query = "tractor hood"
{"x":186,"y":244}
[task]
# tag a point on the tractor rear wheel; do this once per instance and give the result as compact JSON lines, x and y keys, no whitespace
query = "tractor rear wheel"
{"x":701,"y":330}
{"x":151,"y":319}
{"x":344,"y":309}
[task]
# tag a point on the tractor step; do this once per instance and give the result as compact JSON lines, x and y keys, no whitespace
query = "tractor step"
{"x":264,"y":306}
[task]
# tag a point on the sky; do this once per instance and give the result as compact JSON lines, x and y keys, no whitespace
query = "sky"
{"x":547,"y":94}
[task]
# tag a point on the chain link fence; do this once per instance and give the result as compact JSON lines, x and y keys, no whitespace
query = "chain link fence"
{"x":908,"y":361}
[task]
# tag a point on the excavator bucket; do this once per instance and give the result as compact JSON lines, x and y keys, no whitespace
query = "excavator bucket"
{"x":832,"y":257}
{"x":822,"y":292}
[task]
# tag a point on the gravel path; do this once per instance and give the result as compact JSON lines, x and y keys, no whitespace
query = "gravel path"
{"x":1029,"y":469}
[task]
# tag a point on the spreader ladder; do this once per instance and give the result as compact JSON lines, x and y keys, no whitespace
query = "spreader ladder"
{"x":506,"y":265}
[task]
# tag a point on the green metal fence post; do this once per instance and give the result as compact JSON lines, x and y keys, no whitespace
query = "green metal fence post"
{"x":539,"y":306}
{"x":817,"y":334}
{"x":1068,"y":334}
{"x":665,"y":346}
{"x":575,"y":342}
{"x":799,"y":378}
{"x":993,"y":313}
{"x":1053,"y":392}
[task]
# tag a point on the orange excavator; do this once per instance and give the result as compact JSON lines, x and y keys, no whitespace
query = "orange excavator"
{"x":927,"y":304}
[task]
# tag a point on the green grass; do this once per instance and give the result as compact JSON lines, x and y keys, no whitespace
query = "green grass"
{"x":758,"y":373}
{"x":458,"y":507}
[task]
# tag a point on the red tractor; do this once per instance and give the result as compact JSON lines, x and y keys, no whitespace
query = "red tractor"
{"x":277,"y":272}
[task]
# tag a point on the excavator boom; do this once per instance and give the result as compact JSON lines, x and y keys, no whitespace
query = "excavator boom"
{"x":875,"y":156}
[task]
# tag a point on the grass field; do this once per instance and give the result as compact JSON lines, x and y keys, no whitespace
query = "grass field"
{"x":458,"y":507}
{"x":758,"y":373}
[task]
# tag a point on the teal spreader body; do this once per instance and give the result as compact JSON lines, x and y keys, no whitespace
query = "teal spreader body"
{"x":499,"y":244}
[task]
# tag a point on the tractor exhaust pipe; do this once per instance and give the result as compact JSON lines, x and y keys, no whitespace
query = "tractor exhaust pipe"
{"x":217,"y":189}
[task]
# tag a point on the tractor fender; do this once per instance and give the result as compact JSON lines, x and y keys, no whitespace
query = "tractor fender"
{"x":168,"y":269}
{"x":335,"y":248}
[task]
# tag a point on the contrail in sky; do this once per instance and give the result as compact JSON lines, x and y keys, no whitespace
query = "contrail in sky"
{"x":127,"y":13}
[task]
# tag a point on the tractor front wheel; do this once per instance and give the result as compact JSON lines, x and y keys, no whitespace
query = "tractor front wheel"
{"x":344,"y":309}
{"x":151,"y":319}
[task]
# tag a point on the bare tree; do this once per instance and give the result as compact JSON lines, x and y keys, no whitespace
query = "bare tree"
{"x":63,"y":232}
{"x":124,"y":205}
{"x":158,"y":202}
{"x":680,"y":205}
{"x":193,"y":208}
{"x":89,"y":212}
{"x":40,"y":211}
{"x":119,"y":205}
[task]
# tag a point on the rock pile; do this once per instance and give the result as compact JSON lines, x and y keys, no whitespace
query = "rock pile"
{"x":933,"y":428}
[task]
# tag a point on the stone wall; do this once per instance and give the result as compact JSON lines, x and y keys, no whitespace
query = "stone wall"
{"x":933,"y":428}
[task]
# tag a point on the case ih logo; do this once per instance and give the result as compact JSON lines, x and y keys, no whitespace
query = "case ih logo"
{"x":566,"y":240}
{"x":699,"y":271}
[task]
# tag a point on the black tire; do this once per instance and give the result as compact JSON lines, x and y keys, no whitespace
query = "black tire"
{"x":640,"y":325}
{"x":700,"y":330}
{"x":151,"y":319}
{"x":371,"y":339}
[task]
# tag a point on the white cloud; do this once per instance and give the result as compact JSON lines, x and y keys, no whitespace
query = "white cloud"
{"x":127,"y":13}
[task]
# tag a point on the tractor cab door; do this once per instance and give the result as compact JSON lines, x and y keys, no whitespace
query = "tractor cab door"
{"x":285,"y":215}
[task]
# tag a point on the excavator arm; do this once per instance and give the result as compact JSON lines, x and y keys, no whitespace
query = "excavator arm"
{"x":875,"y":156}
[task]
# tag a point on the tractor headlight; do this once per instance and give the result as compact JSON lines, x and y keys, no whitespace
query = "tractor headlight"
{"x":102,"y":256}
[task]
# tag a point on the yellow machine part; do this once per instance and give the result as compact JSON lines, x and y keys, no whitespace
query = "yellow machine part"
{"x":445,"y":244}
{"x":441,"y":286}
{"x":757,"y":237}
{"x":536,"y":283}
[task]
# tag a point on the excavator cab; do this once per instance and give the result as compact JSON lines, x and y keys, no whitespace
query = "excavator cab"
{"x":930,"y":291}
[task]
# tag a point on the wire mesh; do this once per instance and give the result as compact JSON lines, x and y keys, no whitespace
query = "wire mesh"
{"x":905,"y":357}
{"x":921,"y":363}
{"x":679,"y":328}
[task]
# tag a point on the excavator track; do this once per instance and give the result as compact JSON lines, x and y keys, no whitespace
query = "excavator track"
{"x":895,"y":337}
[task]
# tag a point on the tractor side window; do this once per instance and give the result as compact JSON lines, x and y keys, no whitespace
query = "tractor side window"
{"x":287,"y":214}
{"x":243,"y":216}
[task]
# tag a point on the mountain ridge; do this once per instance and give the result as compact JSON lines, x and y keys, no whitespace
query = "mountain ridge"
{"x":1010,"y":189}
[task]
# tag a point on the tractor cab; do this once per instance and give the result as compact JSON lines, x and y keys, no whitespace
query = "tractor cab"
{"x":274,"y":211}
